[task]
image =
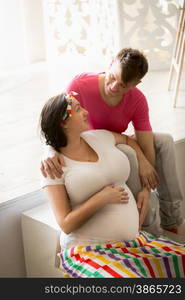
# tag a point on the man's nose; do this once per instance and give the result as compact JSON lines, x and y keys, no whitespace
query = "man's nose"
{"x":114,"y":86}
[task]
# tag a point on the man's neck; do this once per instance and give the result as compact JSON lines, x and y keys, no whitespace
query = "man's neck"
{"x":113,"y":101}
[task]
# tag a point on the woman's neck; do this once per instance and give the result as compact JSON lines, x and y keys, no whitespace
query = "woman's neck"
{"x":73,"y":144}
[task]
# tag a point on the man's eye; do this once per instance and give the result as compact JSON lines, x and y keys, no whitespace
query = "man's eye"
{"x":123,"y":85}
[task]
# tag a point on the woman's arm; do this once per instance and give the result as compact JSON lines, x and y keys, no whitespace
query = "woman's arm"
{"x":69,"y":219}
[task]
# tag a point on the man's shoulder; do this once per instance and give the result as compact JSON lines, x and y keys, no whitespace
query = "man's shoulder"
{"x":85,"y":77}
{"x":137,"y":92}
{"x":136,"y":96}
{"x":82,"y":81}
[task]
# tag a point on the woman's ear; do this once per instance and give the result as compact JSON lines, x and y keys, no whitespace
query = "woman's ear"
{"x":63,"y":124}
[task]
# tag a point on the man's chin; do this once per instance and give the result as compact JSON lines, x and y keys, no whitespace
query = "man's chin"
{"x":110,"y":94}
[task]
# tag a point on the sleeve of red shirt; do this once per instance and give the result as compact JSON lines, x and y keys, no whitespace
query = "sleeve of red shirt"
{"x":140,"y":118}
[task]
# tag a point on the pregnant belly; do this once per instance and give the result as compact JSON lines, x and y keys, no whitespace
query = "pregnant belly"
{"x":113,"y":222}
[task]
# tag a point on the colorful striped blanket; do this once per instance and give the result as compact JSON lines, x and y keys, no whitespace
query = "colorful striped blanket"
{"x":144,"y":257}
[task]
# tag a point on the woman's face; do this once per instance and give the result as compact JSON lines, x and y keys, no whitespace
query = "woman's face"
{"x":78,"y":122}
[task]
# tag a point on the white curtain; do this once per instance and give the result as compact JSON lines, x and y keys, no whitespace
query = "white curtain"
{"x":21,"y":33}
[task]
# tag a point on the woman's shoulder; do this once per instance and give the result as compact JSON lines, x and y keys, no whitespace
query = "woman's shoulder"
{"x":100,"y":134}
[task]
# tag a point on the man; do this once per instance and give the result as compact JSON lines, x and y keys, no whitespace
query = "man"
{"x":113,"y":101}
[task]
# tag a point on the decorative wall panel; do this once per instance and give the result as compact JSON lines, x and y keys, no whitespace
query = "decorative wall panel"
{"x":99,"y":28}
{"x":150,"y":25}
{"x":81,"y":27}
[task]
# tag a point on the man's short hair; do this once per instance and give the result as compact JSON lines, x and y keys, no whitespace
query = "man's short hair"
{"x":134,"y":64}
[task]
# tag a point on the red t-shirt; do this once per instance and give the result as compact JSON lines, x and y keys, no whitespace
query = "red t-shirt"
{"x":132,"y":108}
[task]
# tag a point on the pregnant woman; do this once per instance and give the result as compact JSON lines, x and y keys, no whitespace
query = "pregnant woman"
{"x":91,"y":201}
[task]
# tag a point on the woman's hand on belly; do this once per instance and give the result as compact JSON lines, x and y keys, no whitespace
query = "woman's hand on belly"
{"x":114,"y":194}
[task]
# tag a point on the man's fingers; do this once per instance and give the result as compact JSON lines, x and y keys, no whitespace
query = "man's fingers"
{"x":139,"y":203}
{"x":141,"y":217}
{"x":42,"y":170}
{"x":54,"y":165}
{"x":152,"y":182}
{"x":51,"y":167}
{"x":149,"y":182}
{"x":58,"y":163}
{"x":49,"y":172}
{"x":61,"y":161}
{"x":157,"y":177}
{"x":154,"y":179}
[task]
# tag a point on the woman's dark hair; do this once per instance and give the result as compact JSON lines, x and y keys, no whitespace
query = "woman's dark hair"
{"x":51,"y":119}
{"x":133,"y":63}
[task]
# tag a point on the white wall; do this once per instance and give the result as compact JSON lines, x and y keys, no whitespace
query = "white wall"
{"x":12,"y":50}
{"x":34,"y":30}
{"x":21,"y":33}
{"x":11,"y":245}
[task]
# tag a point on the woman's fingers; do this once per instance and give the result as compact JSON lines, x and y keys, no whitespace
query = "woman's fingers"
{"x":124,"y":201}
{"x":124,"y":197}
{"x":121,"y":195}
{"x":145,"y":182}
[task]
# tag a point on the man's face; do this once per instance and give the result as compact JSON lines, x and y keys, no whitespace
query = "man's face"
{"x":114,"y":86}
